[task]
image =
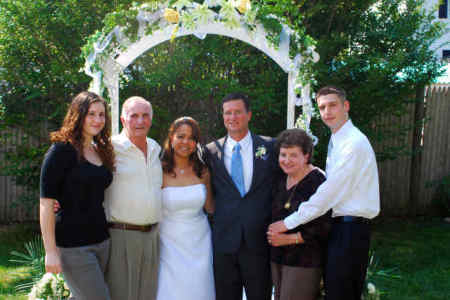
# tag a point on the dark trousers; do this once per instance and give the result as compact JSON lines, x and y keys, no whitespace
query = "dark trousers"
{"x":246,"y":268}
{"x":348,"y":251}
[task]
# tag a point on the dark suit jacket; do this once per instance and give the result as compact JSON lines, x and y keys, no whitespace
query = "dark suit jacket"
{"x":235,"y":217}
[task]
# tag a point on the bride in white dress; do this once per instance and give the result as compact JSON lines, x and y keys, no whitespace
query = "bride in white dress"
{"x":186,"y":262}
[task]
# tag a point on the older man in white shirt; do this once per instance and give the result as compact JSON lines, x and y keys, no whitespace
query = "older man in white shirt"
{"x":351,"y":191}
{"x":133,"y":207}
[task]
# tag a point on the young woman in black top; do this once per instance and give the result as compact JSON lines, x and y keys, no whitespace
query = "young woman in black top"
{"x":298,"y":255}
{"x":75,"y":172}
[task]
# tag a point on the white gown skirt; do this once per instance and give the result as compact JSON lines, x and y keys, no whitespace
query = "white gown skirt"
{"x":186,"y":262}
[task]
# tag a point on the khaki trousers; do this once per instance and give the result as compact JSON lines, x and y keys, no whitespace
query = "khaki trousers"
{"x":132,"y":272}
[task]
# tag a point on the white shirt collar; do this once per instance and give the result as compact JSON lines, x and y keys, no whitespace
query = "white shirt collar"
{"x":342,"y":132}
{"x":245,"y":142}
{"x":123,"y":140}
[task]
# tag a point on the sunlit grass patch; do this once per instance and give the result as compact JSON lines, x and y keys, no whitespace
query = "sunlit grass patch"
{"x":13,"y":237}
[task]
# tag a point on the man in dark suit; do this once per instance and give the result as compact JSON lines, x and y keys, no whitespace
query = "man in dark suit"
{"x":241,"y":164}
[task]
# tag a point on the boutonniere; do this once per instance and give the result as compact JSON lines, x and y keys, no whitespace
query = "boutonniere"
{"x":261,"y":152}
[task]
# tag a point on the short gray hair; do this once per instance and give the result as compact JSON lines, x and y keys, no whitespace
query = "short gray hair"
{"x":133,"y":99}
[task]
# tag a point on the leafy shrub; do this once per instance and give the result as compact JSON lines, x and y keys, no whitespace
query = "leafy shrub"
{"x":441,"y":198}
{"x":34,"y":257}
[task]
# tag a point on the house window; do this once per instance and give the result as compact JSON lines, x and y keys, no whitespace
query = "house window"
{"x":446,"y":55}
{"x":443,"y":9}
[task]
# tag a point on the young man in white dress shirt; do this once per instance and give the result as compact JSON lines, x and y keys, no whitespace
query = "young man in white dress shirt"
{"x":133,"y":207}
{"x":351,"y":191}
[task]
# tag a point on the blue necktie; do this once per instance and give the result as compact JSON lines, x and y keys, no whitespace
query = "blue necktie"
{"x":237,"y":171}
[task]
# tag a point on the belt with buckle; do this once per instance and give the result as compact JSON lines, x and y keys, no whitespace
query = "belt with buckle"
{"x":350,"y":219}
{"x":124,"y":226}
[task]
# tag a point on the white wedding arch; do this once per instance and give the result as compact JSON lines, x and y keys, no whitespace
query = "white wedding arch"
{"x":133,"y":32}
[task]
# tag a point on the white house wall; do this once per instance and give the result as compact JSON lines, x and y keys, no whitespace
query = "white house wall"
{"x":439,"y":46}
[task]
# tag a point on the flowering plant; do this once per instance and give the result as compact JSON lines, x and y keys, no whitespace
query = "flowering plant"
{"x":124,"y":27}
{"x":50,"y":287}
{"x":371,"y":292}
{"x":171,"y":15}
{"x":261,"y":152}
{"x":243,"y":6}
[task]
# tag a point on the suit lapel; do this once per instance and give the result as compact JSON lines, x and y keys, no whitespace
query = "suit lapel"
{"x":221,"y":152}
{"x":220,"y":144}
{"x":257,"y":162}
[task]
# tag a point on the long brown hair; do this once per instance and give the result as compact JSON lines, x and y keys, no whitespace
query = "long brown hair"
{"x":167,"y":159}
{"x":71,"y":130}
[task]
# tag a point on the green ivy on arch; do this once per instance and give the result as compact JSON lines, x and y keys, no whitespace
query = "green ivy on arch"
{"x":129,"y":33}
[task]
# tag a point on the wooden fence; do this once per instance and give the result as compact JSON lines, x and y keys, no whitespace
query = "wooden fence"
{"x":10,"y":208}
{"x":395,"y":174}
{"x":436,"y":142}
{"x":396,"y":184}
{"x":400,"y":194}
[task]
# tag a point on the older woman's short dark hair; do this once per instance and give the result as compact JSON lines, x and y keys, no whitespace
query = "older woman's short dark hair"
{"x":295,"y":138}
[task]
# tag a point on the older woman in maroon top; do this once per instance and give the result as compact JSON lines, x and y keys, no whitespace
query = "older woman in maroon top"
{"x":297,"y":255}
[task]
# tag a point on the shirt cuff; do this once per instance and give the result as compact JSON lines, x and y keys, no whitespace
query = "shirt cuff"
{"x":292,"y":221}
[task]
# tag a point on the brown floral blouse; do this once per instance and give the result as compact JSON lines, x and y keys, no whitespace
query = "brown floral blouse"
{"x":311,"y":253}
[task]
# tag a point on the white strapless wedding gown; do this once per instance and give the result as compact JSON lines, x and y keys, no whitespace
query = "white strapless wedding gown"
{"x":186,"y":259}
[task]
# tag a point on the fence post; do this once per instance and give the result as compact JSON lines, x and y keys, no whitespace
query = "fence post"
{"x":416,"y":159}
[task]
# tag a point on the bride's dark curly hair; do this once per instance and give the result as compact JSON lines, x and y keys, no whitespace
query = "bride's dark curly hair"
{"x":167,"y":159}
{"x":71,"y":130}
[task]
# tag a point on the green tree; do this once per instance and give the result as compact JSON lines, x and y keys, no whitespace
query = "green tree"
{"x":190,"y":76}
{"x":379,"y":51}
{"x":40,"y":57}
{"x":40,"y":62}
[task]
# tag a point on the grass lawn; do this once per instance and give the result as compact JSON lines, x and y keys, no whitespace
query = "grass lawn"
{"x":13,"y":237}
{"x":417,"y":249}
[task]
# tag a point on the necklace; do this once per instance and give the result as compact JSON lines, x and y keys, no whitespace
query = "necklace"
{"x":287,"y":205}
{"x":290,"y":182}
{"x":181,"y":171}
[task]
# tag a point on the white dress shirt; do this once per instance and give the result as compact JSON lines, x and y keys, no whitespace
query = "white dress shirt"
{"x":134,"y":196}
{"x":247,"y":157}
{"x":351,"y":188}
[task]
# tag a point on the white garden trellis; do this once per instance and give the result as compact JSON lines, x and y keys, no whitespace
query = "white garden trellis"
{"x":110,"y":54}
